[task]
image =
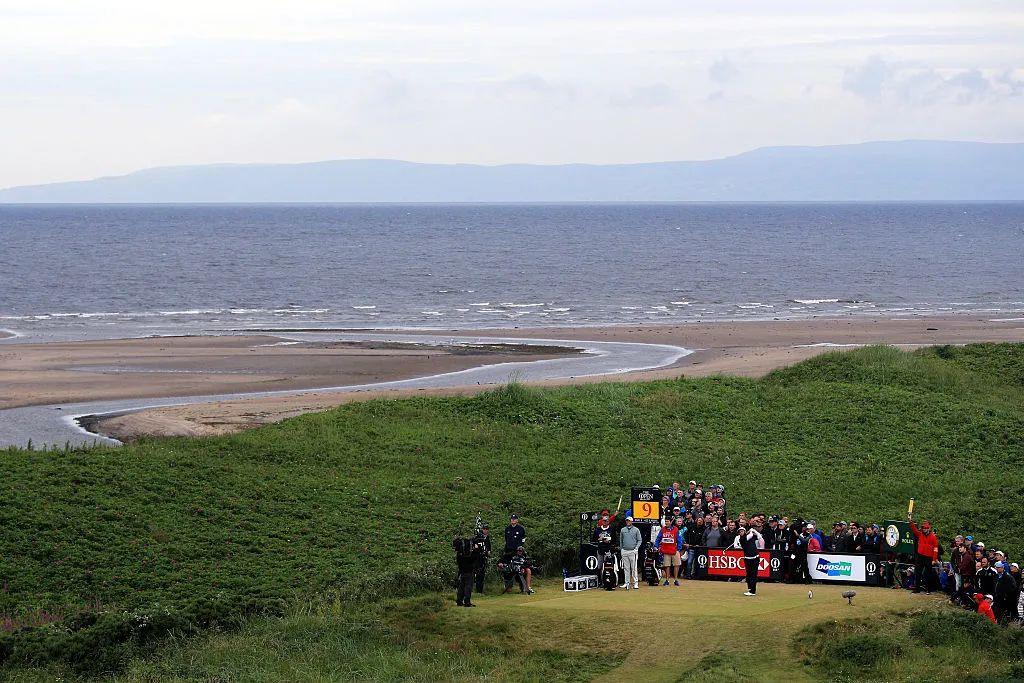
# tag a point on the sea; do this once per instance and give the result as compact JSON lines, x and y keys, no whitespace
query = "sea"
{"x":96,"y":271}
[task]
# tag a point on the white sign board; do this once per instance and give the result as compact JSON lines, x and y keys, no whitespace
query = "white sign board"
{"x":832,"y":567}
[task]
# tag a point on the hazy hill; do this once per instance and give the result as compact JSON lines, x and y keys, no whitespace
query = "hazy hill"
{"x":908,"y":170}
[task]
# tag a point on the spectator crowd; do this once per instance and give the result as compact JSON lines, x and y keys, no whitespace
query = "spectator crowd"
{"x":973,"y":576}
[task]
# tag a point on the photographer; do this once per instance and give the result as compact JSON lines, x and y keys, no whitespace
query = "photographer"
{"x":518,"y":568}
{"x":467,"y":556}
{"x":483,"y":539}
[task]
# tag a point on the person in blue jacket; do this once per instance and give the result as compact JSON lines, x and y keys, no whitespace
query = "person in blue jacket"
{"x":817,"y":534}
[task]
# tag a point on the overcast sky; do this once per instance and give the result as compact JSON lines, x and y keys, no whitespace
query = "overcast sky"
{"x":110,"y":86}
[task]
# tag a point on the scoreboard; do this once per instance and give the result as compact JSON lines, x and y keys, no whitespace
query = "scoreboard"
{"x":646,"y":504}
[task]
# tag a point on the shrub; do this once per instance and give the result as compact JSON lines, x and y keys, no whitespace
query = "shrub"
{"x":861,"y":651}
{"x":878,"y":366}
{"x":945,"y":626}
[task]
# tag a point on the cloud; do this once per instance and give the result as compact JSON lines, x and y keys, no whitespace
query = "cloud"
{"x":535,"y":85}
{"x":656,"y":95}
{"x":868,"y":79}
{"x":878,"y":80}
{"x":290,"y":107}
{"x":384,"y":90}
{"x":723,"y":71}
{"x":1013,"y":84}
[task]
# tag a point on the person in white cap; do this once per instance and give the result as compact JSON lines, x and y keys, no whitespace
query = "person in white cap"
{"x":689,"y":493}
{"x":630,"y":541}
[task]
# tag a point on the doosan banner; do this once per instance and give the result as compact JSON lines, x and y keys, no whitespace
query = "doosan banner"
{"x":845,"y":568}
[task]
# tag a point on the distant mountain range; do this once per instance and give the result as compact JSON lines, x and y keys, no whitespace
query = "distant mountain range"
{"x":872,"y":171}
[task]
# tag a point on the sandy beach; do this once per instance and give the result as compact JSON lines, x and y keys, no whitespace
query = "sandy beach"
{"x":736,"y":348}
{"x":68,"y":372}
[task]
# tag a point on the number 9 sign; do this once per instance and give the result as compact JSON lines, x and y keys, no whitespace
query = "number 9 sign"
{"x":646,"y":509}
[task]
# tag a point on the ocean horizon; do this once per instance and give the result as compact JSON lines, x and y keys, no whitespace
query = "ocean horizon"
{"x":81,"y":271}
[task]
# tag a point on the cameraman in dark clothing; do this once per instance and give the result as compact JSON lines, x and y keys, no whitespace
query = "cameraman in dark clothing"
{"x":467,"y":555}
{"x":483,"y":538}
{"x":518,"y":568}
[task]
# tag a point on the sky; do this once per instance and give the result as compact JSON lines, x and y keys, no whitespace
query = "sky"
{"x":107,"y":87}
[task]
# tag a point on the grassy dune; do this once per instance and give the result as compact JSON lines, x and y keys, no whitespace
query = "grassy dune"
{"x":121,"y":546}
{"x":704,"y":631}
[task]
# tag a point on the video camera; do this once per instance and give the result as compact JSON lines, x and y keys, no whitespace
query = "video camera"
{"x":518,"y":564}
{"x":465,"y":547}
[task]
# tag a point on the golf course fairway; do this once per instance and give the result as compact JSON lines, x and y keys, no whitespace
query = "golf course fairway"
{"x":696,"y":620}
{"x":701,"y":630}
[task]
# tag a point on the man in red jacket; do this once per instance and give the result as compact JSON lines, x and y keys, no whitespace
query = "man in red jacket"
{"x":927,"y":554}
{"x":985,"y":607}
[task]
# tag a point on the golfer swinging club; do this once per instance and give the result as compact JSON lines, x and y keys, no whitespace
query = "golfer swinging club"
{"x":751,"y":542}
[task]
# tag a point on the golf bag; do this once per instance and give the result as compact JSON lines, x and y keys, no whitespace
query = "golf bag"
{"x":649,"y":569}
{"x":609,"y":572}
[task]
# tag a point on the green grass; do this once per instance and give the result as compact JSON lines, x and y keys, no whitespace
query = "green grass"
{"x":702,"y":631}
{"x":936,"y":643}
{"x":551,"y":635}
{"x":362,"y":501}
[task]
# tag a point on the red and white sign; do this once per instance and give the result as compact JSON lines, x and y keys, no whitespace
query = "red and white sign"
{"x":730,"y":563}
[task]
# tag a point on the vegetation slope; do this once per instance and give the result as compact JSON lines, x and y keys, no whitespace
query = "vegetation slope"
{"x":119,"y":547}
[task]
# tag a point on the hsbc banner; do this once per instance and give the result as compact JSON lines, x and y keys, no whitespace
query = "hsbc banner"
{"x":843,"y":568}
{"x":718,"y":563}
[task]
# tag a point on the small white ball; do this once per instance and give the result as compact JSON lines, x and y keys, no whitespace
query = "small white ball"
{"x":810,"y":594}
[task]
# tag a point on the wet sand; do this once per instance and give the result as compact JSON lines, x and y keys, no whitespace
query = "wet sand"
{"x":736,"y":348}
{"x":69,"y":372}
